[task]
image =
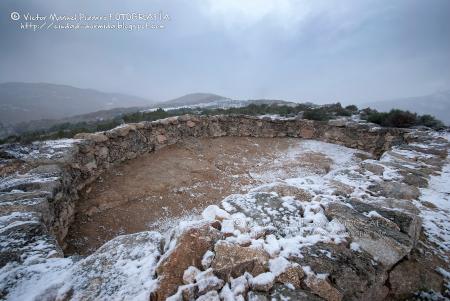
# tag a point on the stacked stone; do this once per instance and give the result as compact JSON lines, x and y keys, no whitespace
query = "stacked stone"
{"x":40,"y":183}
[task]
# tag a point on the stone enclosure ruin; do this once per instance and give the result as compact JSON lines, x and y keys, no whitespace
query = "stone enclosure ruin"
{"x":372,"y":246}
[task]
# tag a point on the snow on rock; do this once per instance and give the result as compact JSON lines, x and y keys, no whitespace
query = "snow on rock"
{"x":278,"y":224}
{"x":240,"y":285}
{"x":263,"y":282}
{"x":355,"y":247}
{"x":210,"y":296}
{"x":207,"y":281}
{"x":61,"y":150}
{"x":278,"y":265}
{"x":213,"y":212}
{"x":226,"y":294}
{"x":207,"y":259}
{"x":436,"y":217}
{"x":189,"y":275}
{"x":122,"y":269}
{"x":294,"y":224}
{"x":34,"y":282}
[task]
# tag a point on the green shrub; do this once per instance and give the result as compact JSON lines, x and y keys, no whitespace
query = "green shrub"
{"x":319,"y":114}
{"x":395,"y":118}
{"x":376,"y":117}
{"x":338,"y":110}
{"x":402,"y":119}
{"x":352,"y":108}
{"x":431,"y":121}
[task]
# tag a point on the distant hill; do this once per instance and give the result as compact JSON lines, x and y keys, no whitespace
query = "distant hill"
{"x":272,"y":102}
{"x":208,"y":100}
{"x":42,"y":124}
{"x":437,"y":104}
{"x":193,"y":99}
{"x":23,"y":102}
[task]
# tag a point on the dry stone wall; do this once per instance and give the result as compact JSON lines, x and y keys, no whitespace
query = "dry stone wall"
{"x":98,"y":151}
{"x":40,"y":183}
{"x":63,"y":170}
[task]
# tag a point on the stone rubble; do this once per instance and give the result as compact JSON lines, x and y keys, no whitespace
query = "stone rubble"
{"x":357,"y":237}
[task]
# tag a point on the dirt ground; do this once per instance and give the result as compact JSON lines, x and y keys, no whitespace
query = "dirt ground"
{"x":157,"y":190}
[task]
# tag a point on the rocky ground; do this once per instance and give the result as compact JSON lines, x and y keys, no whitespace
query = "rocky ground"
{"x":353,"y":234}
{"x":156,"y":191}
{"x":349,"y":227}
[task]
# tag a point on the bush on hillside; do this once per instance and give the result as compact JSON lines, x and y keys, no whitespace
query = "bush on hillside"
{"x":319,"y":114}
{"x":431,"y":121}
{"x":402,"y":119}
{"x":352,"y":108}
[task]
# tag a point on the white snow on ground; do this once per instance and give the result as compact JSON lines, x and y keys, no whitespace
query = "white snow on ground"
{"x":283,"y":166}
{"x":340,"y":155}
{"x":295,"y":224}
{"x":127,"y":272}
{"x":220,"y":103}
{"x":275,"y":117}
{"x":166,"y":223}
{"x":277,"y":171}
{"x":436,"y":221}
{"x":257,"y":212}
{"x":123,"y":268}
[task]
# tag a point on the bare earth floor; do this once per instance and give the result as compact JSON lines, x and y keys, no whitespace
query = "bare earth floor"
{"x":155,"y":191}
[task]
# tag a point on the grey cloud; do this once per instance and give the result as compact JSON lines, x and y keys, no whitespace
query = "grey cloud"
{"x":352,"y":51}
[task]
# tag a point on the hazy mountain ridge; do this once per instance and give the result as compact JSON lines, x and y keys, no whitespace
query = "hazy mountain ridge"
{"x":192,"y":99}
{"x":436,"y":104}
{"x":23,"y":102}
{"x":31,"y":107}
{"x":42,"y":124}
{"x":214,"y":101}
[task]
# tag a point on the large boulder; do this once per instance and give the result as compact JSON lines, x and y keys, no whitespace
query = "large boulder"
{"x":354,"y":274}
{"x":291,"y":276}
{"x":408,"y":223}
{"x":263,"y":282}
{"x":386,"y":245}
{"x":39,"y":205}
{"x":269,"y":210}
{"x":374,"y":168}
{"x":110,"y":273}
{"x":188,"y":251}
{"x":323,"y":288}
{"x":122,"y":269}
{"x":411,"y":276}
{"x":24,"y":239}
{"x":395,"y":190}
{"x":414,"y":179}
{"x":232,"y":260}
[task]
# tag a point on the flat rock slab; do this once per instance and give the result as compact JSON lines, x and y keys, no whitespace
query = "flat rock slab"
{"x":385,"y":244}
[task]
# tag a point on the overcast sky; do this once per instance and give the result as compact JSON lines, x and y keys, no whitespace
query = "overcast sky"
{"x":322,"y":51}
